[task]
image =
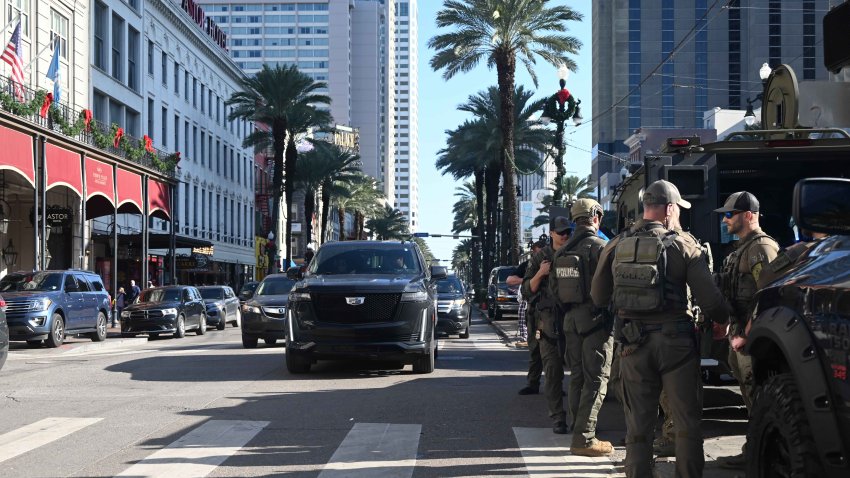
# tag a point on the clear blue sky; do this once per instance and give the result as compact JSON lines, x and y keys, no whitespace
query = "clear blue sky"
{"x":438,"y":101}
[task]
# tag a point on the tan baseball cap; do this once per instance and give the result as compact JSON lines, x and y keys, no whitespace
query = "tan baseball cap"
{"x":664,"y":192}
{"x":740,"y":201}
{"x":585,"y":208}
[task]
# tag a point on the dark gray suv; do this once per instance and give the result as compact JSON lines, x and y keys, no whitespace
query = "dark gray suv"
{"x":48,"y":305}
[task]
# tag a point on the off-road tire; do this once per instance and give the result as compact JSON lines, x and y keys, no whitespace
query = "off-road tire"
{"x":297,"y":364}
{"x":780,"y":442}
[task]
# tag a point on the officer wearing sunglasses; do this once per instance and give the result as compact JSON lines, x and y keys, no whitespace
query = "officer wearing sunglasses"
{"x":740,"y":279}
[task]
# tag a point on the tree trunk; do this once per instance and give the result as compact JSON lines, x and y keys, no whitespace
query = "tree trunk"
{"x":279,"y":134}
{"x":341,"y":211}
{"x":309,"y":208}
{"x":491,"y":185}
{"x":475,"y":260}
{"x":289,"y":188}
{"x":505,"y":67}
{"x":326,"y":207}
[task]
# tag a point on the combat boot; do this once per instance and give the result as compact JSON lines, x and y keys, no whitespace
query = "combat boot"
{"x":593,"y":449}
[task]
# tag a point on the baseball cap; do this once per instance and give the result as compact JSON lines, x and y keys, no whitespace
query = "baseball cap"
{"x":560,"y":224}
{"x":585,"y":208}
{"x":664,"y":192}
{"x":740,"y":201}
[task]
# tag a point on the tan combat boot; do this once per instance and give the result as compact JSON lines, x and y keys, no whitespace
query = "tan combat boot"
{"x":593,"y":449}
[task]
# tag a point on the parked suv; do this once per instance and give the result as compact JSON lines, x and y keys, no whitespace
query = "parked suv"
{"x":47,"y":305}
{"x":800,"y":347}
{"x":364,"y":300}
{"x":453,"y":308}
{"x":168,"y":310}
{"x":501,"y":297}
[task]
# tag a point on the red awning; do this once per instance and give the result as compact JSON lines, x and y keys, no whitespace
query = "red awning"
{"x":99,"y":180}
{"x":159,"y":199}
{"x":63,"y":168}
{"x":129,"y":191}
{"x":17,"y":153}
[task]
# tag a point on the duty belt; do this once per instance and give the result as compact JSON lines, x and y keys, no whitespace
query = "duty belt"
{"x":678,"y":327}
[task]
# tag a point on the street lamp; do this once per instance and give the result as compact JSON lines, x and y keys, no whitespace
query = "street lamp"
{"x":10,"y":255}
{"x":558,"y":108}
{"x":764,"y":74}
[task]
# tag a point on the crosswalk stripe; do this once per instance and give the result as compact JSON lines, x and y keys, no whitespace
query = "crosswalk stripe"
{"x":375,"y":450}
{"x":547,"y":455}
{"x":40,"y":433}
{"x":199,"y":452}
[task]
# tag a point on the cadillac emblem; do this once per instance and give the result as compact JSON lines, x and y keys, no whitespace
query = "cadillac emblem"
{"x":355,"y":300}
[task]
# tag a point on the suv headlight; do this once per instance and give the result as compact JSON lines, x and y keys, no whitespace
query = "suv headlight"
{"x":250,"y":309}
{"x":299,"y":296}
{"x":169,"y":311}
{"x":418,"y":296}
{"x":502,"y":293}
{"x":125,"y":314}
{"x":457,"y":304}
{"x":41,"y":304}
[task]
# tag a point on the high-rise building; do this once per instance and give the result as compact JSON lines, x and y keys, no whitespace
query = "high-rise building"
{"x":718,"y":50}
{"x":405,"y":56}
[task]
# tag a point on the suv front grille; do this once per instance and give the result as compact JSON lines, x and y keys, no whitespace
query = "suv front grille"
{"x":19,"y":307}
{"x":145,"y":314}
{"x":375,"y":308}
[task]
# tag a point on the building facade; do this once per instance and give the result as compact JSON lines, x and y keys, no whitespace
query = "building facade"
{"x":405,"y":55}
{"x":718,"y":48}
{"x":160,"y":69}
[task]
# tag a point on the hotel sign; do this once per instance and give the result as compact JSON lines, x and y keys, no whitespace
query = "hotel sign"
{"x":207,"y":251}
{"x":347,"y":139}
{"x":207,"y":24}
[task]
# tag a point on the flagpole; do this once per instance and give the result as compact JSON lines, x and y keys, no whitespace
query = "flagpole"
{"x":17,"y":18}
{"x":37,"y":55}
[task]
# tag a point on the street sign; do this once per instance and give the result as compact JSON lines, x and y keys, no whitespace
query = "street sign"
{"x":420,"y":234}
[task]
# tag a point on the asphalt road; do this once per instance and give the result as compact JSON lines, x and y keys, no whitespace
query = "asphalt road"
{"x":204,"y":406}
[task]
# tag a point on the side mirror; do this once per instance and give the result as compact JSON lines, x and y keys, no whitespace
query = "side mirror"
{"x":294,"y":273}
{"x":439,"y":272}
{"x":820,"y":205}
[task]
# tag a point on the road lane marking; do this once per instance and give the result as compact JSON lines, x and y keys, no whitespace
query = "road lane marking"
{"x":199,"y":452}
{"x":547,"y":455}
{"x":375,"y":450}
{"x":40,"y":433}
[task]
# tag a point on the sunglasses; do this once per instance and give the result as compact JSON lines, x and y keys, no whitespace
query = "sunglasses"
{"x":565,"y":233}
{"x":731,"y":214}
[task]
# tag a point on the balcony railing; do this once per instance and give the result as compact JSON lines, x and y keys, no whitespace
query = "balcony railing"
{"x":86,"y":137}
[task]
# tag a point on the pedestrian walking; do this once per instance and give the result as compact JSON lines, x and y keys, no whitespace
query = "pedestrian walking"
{"x":133,"y":293}
{"x":119,"y":306}
{"x":527,"y":328}
{"x":643,"y":274}
{"x":549,"y":321}
{"x":587,"y":329}
{"x":741,"y":278}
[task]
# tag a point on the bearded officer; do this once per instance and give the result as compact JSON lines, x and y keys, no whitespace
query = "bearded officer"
{"x":549,"y":320}
{"x":644,"y":273}
{"x":587,"y":330}
{"x":741,"y":278}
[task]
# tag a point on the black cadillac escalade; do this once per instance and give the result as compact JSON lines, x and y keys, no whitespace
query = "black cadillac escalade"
{"x":364,"y":300}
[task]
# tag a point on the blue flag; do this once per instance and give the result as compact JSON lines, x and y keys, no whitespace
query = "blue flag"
{"x":53,"y":73}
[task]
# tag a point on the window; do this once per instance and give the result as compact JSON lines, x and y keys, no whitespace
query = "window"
{"x":150,"y":57}
{"x":132,"y":58}
{"x":149,"y":132}
{"x":176,"y":78}
{"x":186,"y":85}
{"x":59,"y":28}
{"x":195,"y":210}
{"x":195,"y":92}
{"x":164,"y":127}
{"x":117,"y":46}
{"x":22,"y":8}
{"x":133,"y":123}
{"x":116,"y":112}
{"x":185,"y":137}
{"x":203,"y":89}
{"x":203,"y":144}
{"x":100,"y":28}
{"x":164,"y":69}
{"x":195,"y":144}
{"x":176,"y":132}
{"x":218,"y":157}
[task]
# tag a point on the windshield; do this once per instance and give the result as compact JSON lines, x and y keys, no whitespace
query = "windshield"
{"x":450,"y":285}
{"x":160,"y":295}
{"x":277,"y":286}
{"x":44,"y":281}
{"x":249,"y":287}
{"x":504,"y":273}
{"x":212,"y":293}
{"x":360,"y":259}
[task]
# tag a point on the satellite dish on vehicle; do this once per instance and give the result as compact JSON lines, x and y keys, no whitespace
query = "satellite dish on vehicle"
{"x":780,"y":107}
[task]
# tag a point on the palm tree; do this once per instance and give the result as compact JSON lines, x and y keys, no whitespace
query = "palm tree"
{"x":502,"y":31}
{"x":388,"y":224}
{"x":575,"y":187}
{"x":362,"y":195}
{"x":464,"y":209}
{"x":277,"y":100}
{"x":342,"y":169}
{"x":426,"y":251}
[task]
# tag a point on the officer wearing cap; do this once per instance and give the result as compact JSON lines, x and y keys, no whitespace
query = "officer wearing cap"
{"x":589,"y":343}
{"x":740,"y":278}
{"x":643,"y":274}
{"x":549,"y":320}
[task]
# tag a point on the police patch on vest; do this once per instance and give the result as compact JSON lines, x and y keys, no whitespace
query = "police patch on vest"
{"x":567,"y":272}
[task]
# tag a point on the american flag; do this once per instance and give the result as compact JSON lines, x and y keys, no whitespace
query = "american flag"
{"x":12,"y":56}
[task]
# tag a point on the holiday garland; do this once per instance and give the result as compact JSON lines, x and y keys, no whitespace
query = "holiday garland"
{"x":134,"y":150}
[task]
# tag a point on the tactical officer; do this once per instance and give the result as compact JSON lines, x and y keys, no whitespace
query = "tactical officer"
{"x":549,"y":320}
{"x":527,"y":320}
{"x":644,"y":273}
{"x":741,"y":278}
{"x":589,"y":342}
